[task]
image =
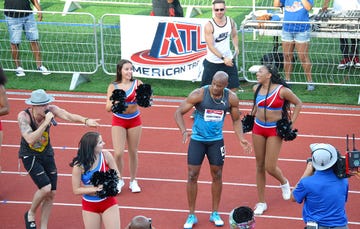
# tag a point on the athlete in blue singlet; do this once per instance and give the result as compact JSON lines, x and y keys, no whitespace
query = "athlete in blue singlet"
{"x":212,"y":102}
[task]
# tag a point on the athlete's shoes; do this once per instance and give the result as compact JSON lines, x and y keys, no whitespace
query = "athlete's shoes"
{"x":19,"y":71}
{"x":134,"y":187}
{"x":216,"y":219}
{"x":310,"y":87}
{"x":260,"y":208}
{"x":120,"y":184}
{"x":190,"y":221}
{"x":344,"y":63}
{"x":356,"y":62}
{"x":286,"y":192}
{"x":44,"y":70}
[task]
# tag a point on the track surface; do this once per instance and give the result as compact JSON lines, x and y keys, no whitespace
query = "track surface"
{"x":162,"y":166}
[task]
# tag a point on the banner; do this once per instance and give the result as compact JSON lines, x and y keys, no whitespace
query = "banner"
{"x":164,"y":47}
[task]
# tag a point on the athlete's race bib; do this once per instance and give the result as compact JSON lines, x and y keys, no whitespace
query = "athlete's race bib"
{"x":213,"y":115}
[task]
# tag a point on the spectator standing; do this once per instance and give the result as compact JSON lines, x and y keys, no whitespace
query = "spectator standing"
{"x":4,"y":106}
{"x":212,"y":102}
{"x":272,"y":103}
{"x":17,"y":22}
{"x":323,"y":194}
{"x":219,"y":57}
{"x":37,"y":153}
{"x":91,"y":157}
{"x":349,"y":47}
{"x":126,"y":126}
{"x":296,"y":36}
{"x":167,"y":8}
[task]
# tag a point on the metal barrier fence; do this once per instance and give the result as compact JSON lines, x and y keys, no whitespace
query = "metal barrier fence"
{"x":261,"y":41}
{"x":195,"y":3}
{"x":66,"y":45}
{"x":189,"y":5}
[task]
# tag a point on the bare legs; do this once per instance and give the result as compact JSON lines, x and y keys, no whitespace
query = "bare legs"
{"x":303,"y":54}
{"x":119,"y":138}
{"x":35,"y":49}
{"x":192,"y":187}
{"x":110,"y":218}
{"x":45,"y":198}
{"x":267,"y":152}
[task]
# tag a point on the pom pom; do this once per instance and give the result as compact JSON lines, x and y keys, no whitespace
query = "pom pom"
{"x":108,"y":180}
{"x":118,"y":95}
{"x":118,"y":98}
{"x":248,"y":123}
{"x":97,"y":178}
{"x":283,"y":129}
{"x":143,"y":95}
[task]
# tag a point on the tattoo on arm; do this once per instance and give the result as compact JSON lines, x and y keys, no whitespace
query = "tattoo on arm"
{"x":24,"y":126}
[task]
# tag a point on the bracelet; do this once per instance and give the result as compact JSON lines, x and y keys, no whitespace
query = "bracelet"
{"x":86,"y":121}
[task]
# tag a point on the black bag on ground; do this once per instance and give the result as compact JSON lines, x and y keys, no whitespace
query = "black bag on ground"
{"x":273,"y":58}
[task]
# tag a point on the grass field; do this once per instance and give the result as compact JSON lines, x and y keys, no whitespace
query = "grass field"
{"x":100,"y":80}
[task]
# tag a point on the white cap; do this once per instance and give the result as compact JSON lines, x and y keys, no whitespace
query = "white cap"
{"x":323,"y":155}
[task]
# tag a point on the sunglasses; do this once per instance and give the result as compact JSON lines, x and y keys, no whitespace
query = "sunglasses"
{"x":217,"y":10}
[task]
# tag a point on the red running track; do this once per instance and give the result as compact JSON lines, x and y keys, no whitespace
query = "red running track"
{"x":163,"y":170}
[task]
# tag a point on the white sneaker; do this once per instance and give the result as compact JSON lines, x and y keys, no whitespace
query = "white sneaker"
{"x":190,"y":221}
{"x":260,"y":208}
{"x":134,"y":187}
{"x":19,"y":71}
{"x":44,"y":70}
{"x":286,"y":192}
{"x":120,"y":184}
{"x":310,"y":87}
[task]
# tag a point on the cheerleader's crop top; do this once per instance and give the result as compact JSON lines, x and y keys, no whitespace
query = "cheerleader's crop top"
{"x":273,"y":101}
{"x":130,"y":93}
{"x":86,"y":177}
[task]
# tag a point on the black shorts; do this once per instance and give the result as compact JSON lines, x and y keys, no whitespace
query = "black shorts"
{"x":214,"y":151}
{"x":211,"y":68}
{"x":42,"y":169}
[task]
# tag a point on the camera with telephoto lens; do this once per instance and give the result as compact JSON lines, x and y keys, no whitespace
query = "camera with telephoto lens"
{"x":349,"y":164}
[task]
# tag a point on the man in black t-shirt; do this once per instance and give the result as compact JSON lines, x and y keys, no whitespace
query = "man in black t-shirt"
{"x":17,"y":22}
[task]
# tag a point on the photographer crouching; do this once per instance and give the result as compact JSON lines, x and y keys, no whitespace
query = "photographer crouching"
{"x":324,"y":194}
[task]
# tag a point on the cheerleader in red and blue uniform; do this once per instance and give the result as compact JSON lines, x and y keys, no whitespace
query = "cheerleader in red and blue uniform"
{"x":127,"y":125}
{"x":91,"y":157}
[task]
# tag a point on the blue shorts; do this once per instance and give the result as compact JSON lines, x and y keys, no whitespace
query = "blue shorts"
{"x":17,"y":25}
{"x":299,"y":37}
{"x":214,"y":150}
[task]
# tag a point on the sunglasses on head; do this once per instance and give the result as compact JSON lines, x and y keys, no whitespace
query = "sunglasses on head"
{"x":217,"y":10}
